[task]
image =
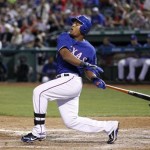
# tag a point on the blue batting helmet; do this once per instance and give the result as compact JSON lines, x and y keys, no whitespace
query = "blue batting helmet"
{"x":86,"y":23}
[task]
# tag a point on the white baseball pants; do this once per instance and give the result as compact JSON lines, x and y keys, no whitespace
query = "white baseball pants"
{"x":144,"y":70}
{"x":66,"y":90}
{"x":133,"y":64}
{"x":121,"y":66}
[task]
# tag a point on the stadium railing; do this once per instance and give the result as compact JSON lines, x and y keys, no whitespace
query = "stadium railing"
{"x":10,"y":57}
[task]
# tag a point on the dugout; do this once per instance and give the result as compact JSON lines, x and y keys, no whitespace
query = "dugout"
{"x":118,"y":37}
{"x":110,"y":68}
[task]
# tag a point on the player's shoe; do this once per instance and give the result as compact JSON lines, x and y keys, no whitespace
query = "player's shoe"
{"x":113,"y":134}
{"x":31,"y":138}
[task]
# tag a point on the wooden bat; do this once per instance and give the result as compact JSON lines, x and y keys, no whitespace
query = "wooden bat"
{"x":133,"y":93}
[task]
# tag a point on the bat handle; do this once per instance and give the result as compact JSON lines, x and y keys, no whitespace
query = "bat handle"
{"x":117,"y":88}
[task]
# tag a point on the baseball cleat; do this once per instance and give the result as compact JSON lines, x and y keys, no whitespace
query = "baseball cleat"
{"x":113,"y":134}
{"x":31,"y":138}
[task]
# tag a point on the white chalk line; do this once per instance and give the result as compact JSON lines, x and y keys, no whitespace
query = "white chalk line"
{"x":26,"y":146}
{"x":21,"y":132}
{"x":17,"y":132}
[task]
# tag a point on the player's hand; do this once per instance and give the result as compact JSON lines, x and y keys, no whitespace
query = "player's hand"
{"x":99,"y":83}
{"x":97,"y":69}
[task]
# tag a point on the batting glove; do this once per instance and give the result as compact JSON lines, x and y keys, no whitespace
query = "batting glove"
{"x":99,"y":83}
{"x":87,"y":65}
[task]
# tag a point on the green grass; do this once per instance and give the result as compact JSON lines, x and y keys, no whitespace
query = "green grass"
{"x":17,"y":101}
{"x":111,"y":103}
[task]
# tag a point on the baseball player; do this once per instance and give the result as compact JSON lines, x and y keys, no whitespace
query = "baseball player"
{"x":75,"y":56}
{"x":129,"y":60}
{"x":143,"y":61}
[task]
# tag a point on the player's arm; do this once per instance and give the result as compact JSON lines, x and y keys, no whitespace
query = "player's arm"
{"x":89,"y":74}
{"x":97,"y":81}
{"x":69,"y":57}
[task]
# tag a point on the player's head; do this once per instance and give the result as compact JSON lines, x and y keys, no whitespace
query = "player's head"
{"x":134,"y":39}
{"x":85,"y":23}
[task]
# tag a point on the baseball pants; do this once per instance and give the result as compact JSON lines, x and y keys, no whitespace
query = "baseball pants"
{"x":121,"y":66}
{"x":66,"y":91}
{"x":144,"y":70}
{"x":133,"y":64}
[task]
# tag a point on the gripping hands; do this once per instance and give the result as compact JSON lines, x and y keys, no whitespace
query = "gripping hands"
{"x":99,"y":83}
{"x":96,"y":69}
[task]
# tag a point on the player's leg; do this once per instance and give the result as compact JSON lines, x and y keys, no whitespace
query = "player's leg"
{"x":60,"y":88}
{"x":121,"y":64}
{"x":133,"y":63}
{"x":52,"y":90}
{"x":144,"y":70}
{"x":69,"y":112}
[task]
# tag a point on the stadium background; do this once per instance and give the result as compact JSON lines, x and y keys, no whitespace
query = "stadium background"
{"x":40,"y":22}
{"x":16,"y":98}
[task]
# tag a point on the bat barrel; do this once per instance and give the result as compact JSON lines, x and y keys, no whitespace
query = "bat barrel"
{"x":139,"y":95}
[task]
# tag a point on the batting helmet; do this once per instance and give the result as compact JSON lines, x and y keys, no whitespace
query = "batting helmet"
{"x":86,"y":23}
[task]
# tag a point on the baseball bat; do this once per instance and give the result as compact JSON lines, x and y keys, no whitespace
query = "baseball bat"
{"x":133,"y":93}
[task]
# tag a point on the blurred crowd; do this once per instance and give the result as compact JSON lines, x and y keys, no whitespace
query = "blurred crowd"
{"x":31,"y":22}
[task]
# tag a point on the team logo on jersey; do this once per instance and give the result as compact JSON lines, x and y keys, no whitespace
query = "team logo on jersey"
{"x":78,"y":54}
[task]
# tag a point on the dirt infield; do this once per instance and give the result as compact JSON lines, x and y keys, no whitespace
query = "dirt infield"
{"x":134,"y":134}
